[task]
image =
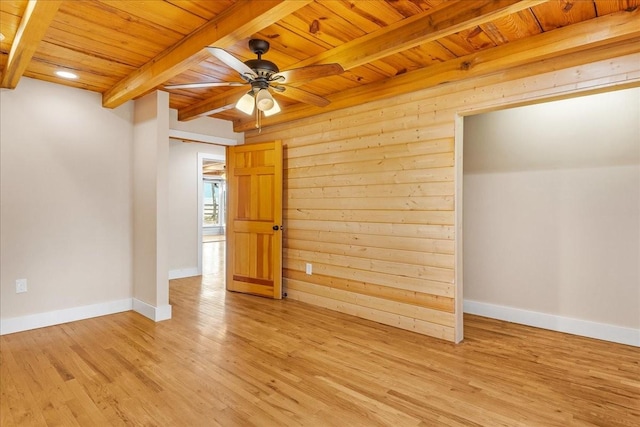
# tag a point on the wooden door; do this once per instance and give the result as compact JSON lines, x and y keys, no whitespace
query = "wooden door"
{"x":254,"y":219}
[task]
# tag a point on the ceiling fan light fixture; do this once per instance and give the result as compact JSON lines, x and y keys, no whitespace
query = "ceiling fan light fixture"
{"x":246,"y":104}
{"x":264,"y":100}
{"x":273,"y":110}
{"x":264,"y":77}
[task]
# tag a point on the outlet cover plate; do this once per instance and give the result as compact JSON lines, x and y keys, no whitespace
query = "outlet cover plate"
{"x":21,"y":286}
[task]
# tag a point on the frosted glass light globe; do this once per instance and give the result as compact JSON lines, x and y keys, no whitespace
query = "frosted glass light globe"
{"x":264,"y":100}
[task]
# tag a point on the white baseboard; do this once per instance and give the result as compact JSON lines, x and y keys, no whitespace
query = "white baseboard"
{"x":156,"y":314}
{"x":183,"y":272}
{"x":57,"y":317}
{"x":585,"y":328}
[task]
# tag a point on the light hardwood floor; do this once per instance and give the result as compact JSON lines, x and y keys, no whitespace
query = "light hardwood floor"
{"x":236,"y":360}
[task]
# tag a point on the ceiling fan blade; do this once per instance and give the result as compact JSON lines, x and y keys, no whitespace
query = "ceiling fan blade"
{"x":304,"y":96}
{"x":303,"y":74}
{"x":203,"y":84}
{"x":232,"y":62}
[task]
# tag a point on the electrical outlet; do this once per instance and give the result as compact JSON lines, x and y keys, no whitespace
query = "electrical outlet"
{"x":21,"y":286}
{"x":309,"y":269}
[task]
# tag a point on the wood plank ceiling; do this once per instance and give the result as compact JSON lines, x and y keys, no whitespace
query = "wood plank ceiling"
{"x":124,"y":49}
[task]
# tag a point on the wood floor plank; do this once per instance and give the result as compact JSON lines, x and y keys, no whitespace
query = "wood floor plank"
{"x":228,"y":359}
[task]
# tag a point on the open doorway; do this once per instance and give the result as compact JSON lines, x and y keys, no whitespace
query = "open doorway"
{"x":552,"y":215}
{"x":211,"y":213}
{"x":213,"y":209}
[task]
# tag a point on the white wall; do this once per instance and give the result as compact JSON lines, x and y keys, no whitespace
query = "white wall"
{"x":552,"y":209}
{"x":207,"y":126}
{"x":66,"y":200}
{"x":65,"y":197}
{"x":151,"y":206}
{"x":183,"y":205}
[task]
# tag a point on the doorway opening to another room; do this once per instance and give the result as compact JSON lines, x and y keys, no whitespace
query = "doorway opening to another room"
{"x":213,"y":224}
{"x":549,"y":215}
{"x":211,"y":214}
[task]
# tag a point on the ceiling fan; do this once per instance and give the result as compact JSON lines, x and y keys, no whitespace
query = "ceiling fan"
{"x":263,"y":75}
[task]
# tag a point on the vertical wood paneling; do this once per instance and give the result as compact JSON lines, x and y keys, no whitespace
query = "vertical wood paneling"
{"x":369,"y":195}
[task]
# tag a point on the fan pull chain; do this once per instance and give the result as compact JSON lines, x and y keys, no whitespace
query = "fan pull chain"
{"x":258,"y":120}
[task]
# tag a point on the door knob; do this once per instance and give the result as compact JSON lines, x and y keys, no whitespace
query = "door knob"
{"x":276,"y":228}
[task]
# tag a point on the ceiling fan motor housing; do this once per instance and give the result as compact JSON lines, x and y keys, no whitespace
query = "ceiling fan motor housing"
{"x":262,"y":67}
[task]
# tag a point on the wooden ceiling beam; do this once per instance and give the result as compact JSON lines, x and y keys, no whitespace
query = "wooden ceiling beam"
{"x":447,"y":19}
{"x":224,"y":101}
{"x":580,"y":37}
{"x":243,"y":19}
{"x":35,"y":21}
{"x":442,"y":21}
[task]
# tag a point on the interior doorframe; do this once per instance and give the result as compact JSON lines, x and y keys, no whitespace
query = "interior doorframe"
{"x":202,"y":157}
{"x":459,"y":176}
{"x":458,"y":270}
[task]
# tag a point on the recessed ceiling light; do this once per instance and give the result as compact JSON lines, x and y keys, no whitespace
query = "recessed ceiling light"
{"x":66,"y":75}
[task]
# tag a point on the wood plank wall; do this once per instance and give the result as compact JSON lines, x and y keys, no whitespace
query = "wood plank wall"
{"x":370,"y":194}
